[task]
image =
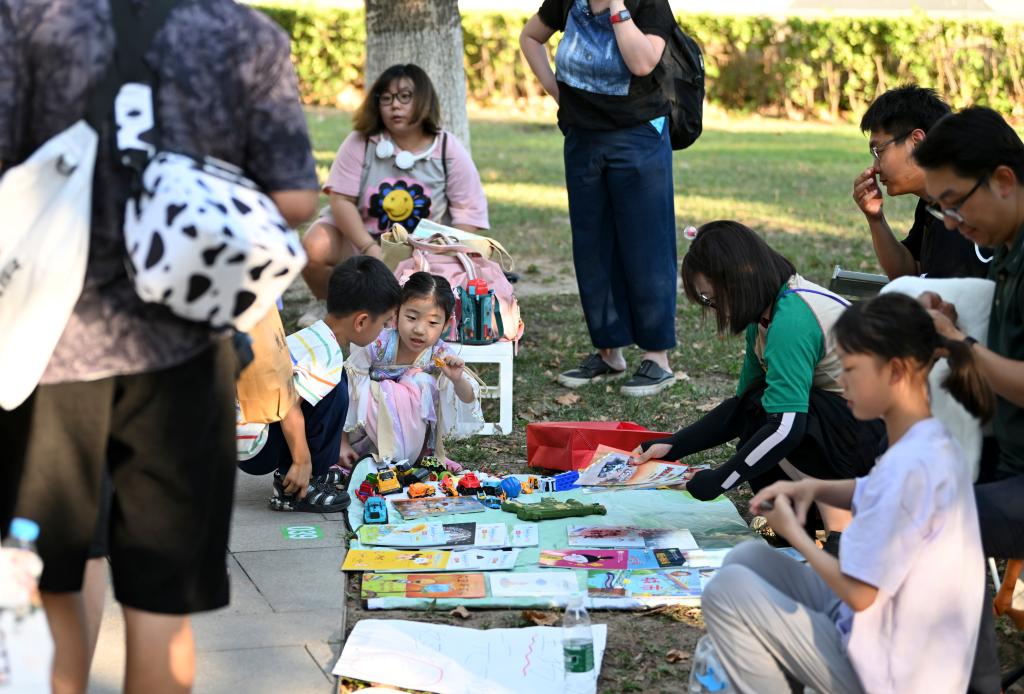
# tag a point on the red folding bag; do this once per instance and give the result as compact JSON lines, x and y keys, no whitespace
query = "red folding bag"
{"x":571,"y":445}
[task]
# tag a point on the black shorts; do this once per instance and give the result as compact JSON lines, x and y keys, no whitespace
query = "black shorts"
{"x":167,"y":439}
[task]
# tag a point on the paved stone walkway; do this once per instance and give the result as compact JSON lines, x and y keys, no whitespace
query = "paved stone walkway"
{"x":282,"y":631}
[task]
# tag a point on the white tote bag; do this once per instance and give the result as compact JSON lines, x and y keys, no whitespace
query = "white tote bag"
{"x":44,"y":246}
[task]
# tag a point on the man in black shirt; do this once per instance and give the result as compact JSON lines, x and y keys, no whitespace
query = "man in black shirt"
{"x":897,"y":122}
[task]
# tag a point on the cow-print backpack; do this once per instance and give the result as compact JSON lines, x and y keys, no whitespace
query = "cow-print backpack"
{"x":202,"y":239}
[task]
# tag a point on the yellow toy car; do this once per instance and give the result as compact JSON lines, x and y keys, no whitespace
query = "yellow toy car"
{"x":387,"y":482}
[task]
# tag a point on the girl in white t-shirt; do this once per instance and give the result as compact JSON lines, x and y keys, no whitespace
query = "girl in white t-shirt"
{"x":898,"y":610}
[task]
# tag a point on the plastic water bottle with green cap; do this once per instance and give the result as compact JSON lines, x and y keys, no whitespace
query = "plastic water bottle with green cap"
{"x":578,"y":648}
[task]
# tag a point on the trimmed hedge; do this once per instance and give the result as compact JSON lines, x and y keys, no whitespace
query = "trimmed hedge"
{"x":797,"y":67}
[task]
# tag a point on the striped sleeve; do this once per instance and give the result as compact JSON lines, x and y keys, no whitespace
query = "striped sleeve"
{"x":317,"y":362}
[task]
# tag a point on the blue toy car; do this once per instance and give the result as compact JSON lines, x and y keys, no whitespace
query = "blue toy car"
{"x":375,"y":510}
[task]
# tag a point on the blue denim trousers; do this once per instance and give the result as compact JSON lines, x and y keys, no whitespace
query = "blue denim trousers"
{"x":623,"y":234}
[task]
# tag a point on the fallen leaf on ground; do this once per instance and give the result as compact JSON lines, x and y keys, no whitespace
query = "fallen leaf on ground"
{"x":568,"y":399}
{"x":541,"y":619}
{"x":676,"y":655}
{"x":460,"y":611}
{"x":682,"y":376}
{"x":707,"y":407}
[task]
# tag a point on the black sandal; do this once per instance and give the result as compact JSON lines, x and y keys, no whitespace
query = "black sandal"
{"x":320,"y":498}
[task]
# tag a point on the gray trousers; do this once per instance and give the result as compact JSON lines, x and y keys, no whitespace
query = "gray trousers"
{"x":772,"y":620}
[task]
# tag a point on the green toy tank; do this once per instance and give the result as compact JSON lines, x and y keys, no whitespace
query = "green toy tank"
{"x":547,"y":509}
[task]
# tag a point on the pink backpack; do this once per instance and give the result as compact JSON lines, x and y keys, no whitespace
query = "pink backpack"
{"x":459,"y":264}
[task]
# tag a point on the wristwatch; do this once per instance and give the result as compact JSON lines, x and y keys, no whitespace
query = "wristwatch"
{"x":621,"y":16}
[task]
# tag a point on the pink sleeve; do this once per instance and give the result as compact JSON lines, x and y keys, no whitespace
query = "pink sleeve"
{"x":466,"y":201}
{"x":347,"y":168}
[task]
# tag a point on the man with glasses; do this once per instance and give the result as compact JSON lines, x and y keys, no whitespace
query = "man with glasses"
{"x":897,"y":122}
{"x":974,"y":171}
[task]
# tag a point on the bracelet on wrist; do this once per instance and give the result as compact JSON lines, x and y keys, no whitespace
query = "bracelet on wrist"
{"x":969,"y":341}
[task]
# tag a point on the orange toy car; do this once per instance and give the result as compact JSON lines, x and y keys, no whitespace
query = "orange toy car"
{"x":418,"y":490}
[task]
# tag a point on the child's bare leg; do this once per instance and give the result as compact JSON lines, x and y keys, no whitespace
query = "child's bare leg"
{"x":66,"y":617}
{"x":161,"y":653}
{"x":94,"y":593}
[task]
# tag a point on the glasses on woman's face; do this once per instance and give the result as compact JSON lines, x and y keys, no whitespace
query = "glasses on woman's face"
{"x":953,"y":212}
{"x":707,"y":300}
{"x":877,"y":150}
{"x":387,"y":98}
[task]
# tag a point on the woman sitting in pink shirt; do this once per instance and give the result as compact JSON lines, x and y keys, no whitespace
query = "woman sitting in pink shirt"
{"x":396,"y":166}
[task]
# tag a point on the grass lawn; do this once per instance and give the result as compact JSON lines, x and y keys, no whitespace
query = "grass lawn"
{"x":790,"y":181}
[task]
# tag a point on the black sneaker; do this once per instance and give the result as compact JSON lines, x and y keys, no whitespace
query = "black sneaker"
{"x":592,"y":370}
{"x":648,"y":380}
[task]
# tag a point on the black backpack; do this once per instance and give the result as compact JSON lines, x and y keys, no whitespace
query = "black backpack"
{"x":682,"y":83}
{"x":683,"y":86}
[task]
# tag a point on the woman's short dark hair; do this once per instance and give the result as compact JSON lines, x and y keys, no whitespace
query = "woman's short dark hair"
{"x":896,"y":326}
{"x":744,"y":271}
{"x":426,"y":107}
{"x":423,"y":285}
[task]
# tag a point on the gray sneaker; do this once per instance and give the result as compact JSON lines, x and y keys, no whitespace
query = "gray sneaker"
{"x":648,"y":380}
{"x":592,"y":370}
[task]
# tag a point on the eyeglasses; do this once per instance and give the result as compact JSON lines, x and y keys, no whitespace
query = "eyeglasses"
{"x":877,"y":150}
{"x":953,"y":212}
{"x":402,"y":97}
{"x":706,"y":300}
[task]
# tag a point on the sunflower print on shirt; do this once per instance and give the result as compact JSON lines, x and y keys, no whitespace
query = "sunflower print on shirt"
{"x":399,"y":201}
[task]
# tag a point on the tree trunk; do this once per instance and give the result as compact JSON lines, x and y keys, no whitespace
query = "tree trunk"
{"x":429,"y":34}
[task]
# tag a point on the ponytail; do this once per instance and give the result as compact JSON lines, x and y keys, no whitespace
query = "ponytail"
{"x":896,"y":326}
{"x":965,"y":382}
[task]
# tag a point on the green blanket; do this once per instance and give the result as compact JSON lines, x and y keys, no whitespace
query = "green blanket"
{"x":714,"y":524}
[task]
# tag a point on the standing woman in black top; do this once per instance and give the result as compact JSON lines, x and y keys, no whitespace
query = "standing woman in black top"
{"x":618,"y":174}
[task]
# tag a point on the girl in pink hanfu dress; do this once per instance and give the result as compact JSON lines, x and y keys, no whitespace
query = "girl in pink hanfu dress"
{"x":406,"y":388}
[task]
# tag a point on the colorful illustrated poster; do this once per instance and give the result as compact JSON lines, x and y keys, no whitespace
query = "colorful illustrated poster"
{"x":610,"y":467}
{"x":605,"y":537}
{"x":674,"y":583}
{"x":676,"y":538}
{"x":483,"y":560}
{"x":606,"y":584}
{"x":407,"y":535}
{"x":411,"y":509}
{"x":467,"y":586}
{"x":395,"y":560}
{"x":531,"y":584}
{"x":585,"y":558}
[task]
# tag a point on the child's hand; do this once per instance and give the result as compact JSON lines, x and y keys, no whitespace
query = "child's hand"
{"x":347,"y":455}
{"x":800,"y":495}
{"x":297,"y":480}
{"x":452,"y":367}
{"x":656,"y":451}
{"x":782,"y":517}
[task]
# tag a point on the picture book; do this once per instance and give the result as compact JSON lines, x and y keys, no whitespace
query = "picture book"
{"x":482,"y":560}
{"x":610,"y":467}
{"x":530,"y":584}
{"x":676,"y":538}
{"x":451,"y":585}
{"x":524,"y":535}
{"x":406,"y":535}
{"x":411,"y":509}
{"x":491,"y":535}
{"x":458,"y":534}
{"x":606,"y":584}
{"x":655,"y":558}
{"x":604,"y":537}
{"x":674,"y":583}
{"x":395,"y":560}
{"x":585,"y":558}
{"x":707,"y":558}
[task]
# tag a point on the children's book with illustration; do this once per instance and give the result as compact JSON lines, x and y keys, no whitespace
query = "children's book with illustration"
{"x":395,"y":560}
{"x":604,"y":536}
{"x":610,"y":467}
{"x":655,"y":558}
{"x":514,"y":584}
{"x":412,"y":509}
{"x":447,"y":585}
{"x":585,"y":558}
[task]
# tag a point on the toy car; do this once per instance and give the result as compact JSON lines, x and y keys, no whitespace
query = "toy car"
{"x":448,"y":486}
{"x":365,"y":491}
{"x":511,"y":486}
{"x":418,"y":489}
{"x":432,"y":464}
{"x":492,"y":502}
{"x":416,"y":475}
{"x":403,"y":470}
{"x":469,"y":485}
{"x":491,"y":488}
{"x":531,"y":485}
{"x":375,"y":511}
{"x":387,"y":483}
{"x":547,"y":484}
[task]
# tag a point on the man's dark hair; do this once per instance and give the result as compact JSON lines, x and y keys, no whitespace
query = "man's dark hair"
{"x":904,"y":109}
{"x":974,"y":142}
{"x":744,"y":271}
{"x":362,"y":283}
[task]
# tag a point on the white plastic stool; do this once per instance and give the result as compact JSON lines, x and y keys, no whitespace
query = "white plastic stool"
{"x":500,"y":353}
